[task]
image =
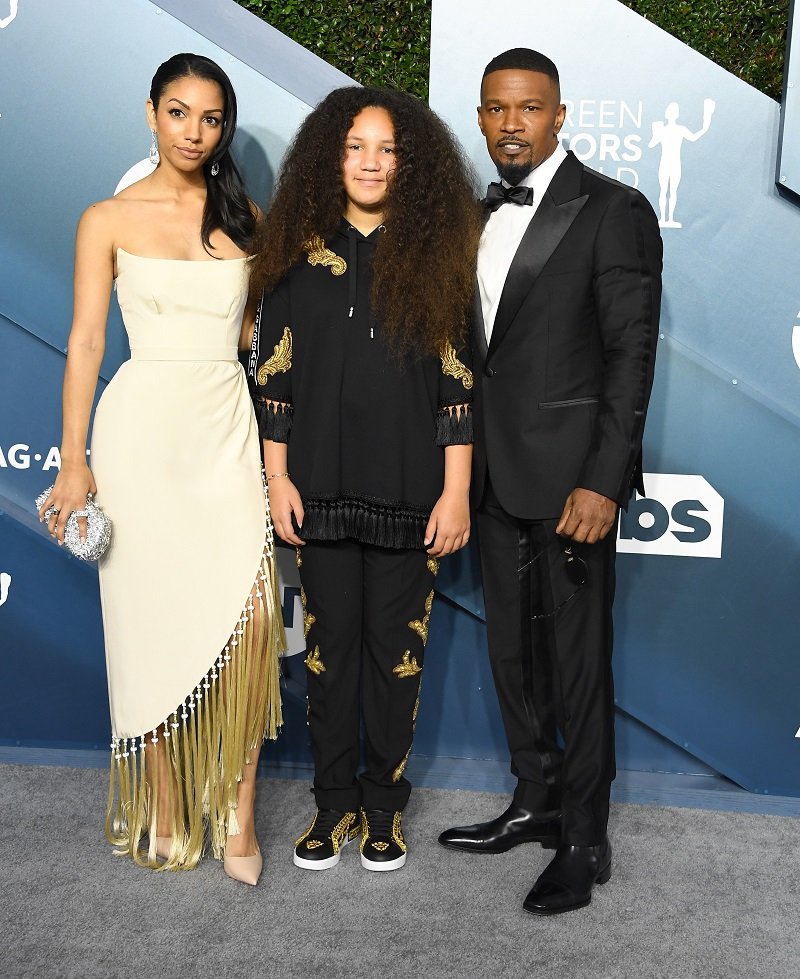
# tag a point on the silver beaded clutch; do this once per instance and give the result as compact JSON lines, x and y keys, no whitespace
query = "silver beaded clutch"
{"x":98,"y":529}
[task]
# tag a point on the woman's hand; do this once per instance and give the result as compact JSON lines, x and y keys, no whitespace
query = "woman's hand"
{"x":449,"y":524}
{"x":72,"y":486}
{"x":284,"y":501}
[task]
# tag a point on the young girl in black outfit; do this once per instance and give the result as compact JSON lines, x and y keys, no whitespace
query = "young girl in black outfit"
{"x":366,"y":258}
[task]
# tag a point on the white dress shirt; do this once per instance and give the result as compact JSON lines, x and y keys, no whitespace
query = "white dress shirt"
{"x":503,"y":233}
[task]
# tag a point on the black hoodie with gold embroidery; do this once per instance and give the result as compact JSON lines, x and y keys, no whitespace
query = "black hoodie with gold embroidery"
{"x":365,"y":433}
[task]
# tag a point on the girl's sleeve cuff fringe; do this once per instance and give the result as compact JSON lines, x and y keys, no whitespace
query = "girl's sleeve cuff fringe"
{"x":454,"y":425}
{"x":274,"y":421}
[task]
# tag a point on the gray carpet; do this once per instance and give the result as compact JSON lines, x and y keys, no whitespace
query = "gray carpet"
{"x":694,"y":894}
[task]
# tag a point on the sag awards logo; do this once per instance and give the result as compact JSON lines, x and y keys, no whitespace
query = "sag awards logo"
{"x":680,"y":516}
{"x":5,"y":584}
{"x":611,"y":136}
{"x":20,"y":456}
{"x":12,"y":13}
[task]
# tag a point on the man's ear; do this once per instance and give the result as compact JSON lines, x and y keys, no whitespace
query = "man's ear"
{"x":560,"y":117}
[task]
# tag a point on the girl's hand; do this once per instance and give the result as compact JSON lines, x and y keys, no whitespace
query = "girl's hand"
{"x":284,"y":501}
{"x":449,"y":524}
{"x":72,"y":486}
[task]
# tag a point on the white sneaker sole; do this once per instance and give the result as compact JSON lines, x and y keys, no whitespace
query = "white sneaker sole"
{"x":321,"y":864}
{"x":383,"y":865}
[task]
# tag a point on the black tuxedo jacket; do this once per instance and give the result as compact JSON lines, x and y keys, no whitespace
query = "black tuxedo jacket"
{"x":561,"y":391}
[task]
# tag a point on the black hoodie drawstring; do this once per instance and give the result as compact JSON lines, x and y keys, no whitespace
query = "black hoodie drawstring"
{"x":352,"y":278}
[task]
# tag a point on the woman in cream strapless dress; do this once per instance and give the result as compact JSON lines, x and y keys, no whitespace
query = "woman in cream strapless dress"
{"x":188,"y":585}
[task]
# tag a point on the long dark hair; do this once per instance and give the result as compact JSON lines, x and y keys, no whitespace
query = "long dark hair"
{"x":425,"y":263}
{"x":227,"y":206}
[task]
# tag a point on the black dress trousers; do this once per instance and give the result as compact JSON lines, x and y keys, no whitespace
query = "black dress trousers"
{"x":367,"y":610}
{"x":552,"y":674}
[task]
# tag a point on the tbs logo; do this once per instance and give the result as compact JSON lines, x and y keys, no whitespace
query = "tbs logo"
{"x":682,"y":515}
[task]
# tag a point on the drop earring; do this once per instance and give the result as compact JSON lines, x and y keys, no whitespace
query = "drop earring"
{"x":154,"y":154}
{"x":214,"y":169}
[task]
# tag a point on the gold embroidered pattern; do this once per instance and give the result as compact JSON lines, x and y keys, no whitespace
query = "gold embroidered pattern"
{"x":318,"y":254}
{"x":280,"y":361}
{"x":308,"y":618}
{"x":398,"y":772}
{"x":298,"y":557}
{"x":433,"y":566}
{"x":348,"y":824}
{"x":420,"y":626}
{"x":397,"y":832}
{"x":408,"y":666}
{"x":452,"y":366}
{"x":314,"y":663}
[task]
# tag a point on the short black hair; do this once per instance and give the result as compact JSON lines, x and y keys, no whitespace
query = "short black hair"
{"x":524,"y":59}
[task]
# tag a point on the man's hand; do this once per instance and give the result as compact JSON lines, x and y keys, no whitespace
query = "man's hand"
{"x":587,"y":516}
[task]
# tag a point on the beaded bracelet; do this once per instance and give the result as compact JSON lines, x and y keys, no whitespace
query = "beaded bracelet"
{"x":276,"y":476}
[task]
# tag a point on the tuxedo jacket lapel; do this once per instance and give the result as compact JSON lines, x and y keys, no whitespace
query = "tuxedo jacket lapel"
{"x":559,"y":207}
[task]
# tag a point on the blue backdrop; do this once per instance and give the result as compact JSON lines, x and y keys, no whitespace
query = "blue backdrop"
{"x":706,"y":665}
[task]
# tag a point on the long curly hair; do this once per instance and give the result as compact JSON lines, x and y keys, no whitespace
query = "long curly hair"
{"x":424,"y":266}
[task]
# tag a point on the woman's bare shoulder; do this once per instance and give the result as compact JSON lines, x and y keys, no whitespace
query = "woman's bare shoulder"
{"x":115,"y":215}
{"x":98,"y":218}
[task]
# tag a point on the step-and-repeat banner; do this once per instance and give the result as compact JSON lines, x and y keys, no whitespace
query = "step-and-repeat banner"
{"x":706,"y":623}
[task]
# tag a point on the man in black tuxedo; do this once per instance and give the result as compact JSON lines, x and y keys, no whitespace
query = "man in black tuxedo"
{"x":566,"y":322}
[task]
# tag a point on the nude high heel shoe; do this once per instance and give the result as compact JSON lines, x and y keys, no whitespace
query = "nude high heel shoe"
{"x":163,"y":846}
{"x":244,"y":869}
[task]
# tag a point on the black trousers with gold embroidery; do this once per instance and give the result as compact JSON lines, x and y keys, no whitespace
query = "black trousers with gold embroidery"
{"x":366,"y":619}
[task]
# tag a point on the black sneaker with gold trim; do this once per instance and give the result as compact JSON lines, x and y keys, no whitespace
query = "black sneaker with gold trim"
{"x":319,"y":848}
{"x":382,"y":843}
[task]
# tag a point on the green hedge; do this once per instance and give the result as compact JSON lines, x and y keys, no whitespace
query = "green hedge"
{"x":387,"y":42}
{"x":748,"y":37}
{"x":377,"y":42}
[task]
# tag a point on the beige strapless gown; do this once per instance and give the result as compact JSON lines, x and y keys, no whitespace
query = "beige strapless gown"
{"x":188,"y":585}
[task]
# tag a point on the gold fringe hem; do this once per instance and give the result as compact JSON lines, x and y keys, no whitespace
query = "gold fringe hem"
{"x":205,"y":742}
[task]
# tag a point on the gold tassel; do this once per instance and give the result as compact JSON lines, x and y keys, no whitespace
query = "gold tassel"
{"x":206,"y":742}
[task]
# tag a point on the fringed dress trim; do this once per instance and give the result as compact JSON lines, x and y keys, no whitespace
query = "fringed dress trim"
{"x":208,"y":739}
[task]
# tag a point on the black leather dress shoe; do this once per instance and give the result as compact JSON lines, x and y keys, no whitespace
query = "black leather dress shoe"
{"x":567,"y":881}
{"x":516,"y":825}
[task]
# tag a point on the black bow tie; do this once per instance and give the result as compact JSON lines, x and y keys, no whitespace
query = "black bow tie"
{"x":497,"y":195}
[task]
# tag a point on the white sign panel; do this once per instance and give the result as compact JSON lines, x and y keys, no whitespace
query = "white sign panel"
{"x":681,"y":515}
